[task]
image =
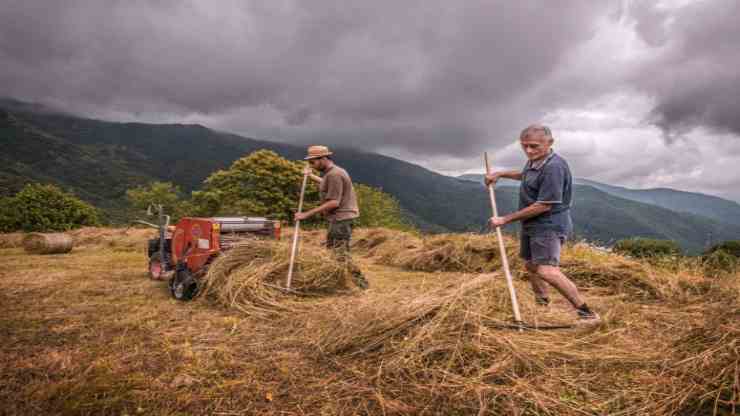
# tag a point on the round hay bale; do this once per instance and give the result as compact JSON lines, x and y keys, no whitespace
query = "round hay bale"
{"x":56,"y":243}
{"x":11,"y":240}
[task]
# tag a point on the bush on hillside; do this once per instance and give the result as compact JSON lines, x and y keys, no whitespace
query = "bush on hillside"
{"x":379,"y":209}
{"x":647,"y":247}
{"x":720,"y":263}
{"x":43,"y":208}
{"x":730,"y":246}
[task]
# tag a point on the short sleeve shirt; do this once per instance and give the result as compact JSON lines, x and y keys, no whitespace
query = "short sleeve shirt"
{"x":337,"y":185}
{"x":549,"y":182}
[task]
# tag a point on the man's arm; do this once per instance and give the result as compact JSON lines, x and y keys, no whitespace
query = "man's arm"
{"x":533,"y":210}
{"x":509,"y":174}
{"x":326,"y":206}
{"x":308,"y":171}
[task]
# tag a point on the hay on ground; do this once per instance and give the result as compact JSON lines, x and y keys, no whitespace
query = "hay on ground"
{"x":640,"y":280}
{"x":384,"y":245}
{"x":54,"y":243}
{"x":448,"y":350}
{"x":251,"y":276}
{"x":468,"y":253}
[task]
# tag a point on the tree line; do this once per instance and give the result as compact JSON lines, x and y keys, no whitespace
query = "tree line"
{"x":259,"y":184}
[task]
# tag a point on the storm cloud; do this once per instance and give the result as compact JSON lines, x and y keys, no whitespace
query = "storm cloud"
{"x":693,"y":74}
{"x":434,"y":82}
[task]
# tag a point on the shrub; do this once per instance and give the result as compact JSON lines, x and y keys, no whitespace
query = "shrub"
{"x":730,"y":246}
{"x":647,"y":247}
{"x":720,"y":263}
{"x":44,"y":208}
{"x":379,"y":209}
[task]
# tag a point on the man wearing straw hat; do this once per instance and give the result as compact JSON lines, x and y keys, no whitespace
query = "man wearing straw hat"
{"x":338,"y":204}
{"x":545,"y":196}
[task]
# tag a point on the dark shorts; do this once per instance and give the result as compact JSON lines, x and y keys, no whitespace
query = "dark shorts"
{"x":542,"y":248}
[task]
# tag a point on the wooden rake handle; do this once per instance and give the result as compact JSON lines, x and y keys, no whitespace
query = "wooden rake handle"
{"x":504,"y":258}
{"x":296,"y":230}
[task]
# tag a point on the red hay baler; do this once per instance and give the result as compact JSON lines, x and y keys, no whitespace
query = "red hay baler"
{"x":194,"y":243}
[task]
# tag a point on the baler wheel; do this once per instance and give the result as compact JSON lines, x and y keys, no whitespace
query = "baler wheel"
{"x":183,"y":286}
{"x":155,"y":268}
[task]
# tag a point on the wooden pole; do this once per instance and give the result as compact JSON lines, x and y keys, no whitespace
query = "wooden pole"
{"x":295,"y":233}
{"x":504,"y":259}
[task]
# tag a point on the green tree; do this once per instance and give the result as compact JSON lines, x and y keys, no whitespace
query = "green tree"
{"x":261,"y":183}
{"x":164,"y":193}
{"x":39,"y":207}
{"x":379,"y":209}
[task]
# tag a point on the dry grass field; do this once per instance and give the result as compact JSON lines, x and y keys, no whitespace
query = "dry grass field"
{"x":87,"y":333}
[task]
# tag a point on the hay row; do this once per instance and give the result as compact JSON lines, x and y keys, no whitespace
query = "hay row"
{"x":465,"y":253}
{"x":475,"y":253}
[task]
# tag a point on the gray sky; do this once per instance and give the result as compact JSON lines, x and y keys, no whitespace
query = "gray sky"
{"x":638,"y":93}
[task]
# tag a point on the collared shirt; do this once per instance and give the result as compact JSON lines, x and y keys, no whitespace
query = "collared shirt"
{"x":547,"y":181}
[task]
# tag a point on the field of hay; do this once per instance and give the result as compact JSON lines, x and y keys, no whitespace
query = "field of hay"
{"x":88,"y":333}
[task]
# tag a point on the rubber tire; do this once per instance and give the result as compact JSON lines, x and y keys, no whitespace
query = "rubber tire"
{"x":182,"y":286}
{"x":155,"y":258}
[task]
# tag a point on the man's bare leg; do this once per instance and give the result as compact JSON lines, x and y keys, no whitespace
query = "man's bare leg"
{"x":553,"y":276}
{"x":539,"y":286}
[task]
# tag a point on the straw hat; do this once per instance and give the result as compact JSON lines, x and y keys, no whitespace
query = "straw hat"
{"x":315,"y":152}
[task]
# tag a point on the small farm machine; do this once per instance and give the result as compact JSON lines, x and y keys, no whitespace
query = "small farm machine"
{"x":182,"y":254}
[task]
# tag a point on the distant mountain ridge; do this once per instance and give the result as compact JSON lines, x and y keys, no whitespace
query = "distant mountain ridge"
{"x":100,"y":160}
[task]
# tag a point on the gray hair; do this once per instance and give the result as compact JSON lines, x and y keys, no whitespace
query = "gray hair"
{"x":536,"y":128}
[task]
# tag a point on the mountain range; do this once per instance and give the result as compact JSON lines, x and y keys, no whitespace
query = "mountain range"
{"x":99,"y":160}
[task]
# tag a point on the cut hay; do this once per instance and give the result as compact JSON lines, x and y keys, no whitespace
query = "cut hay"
{"x":454,"y":349}
{"x":55,"y":243}
{"x":467,"y":253}
{"x":384,"y":245}
{"x":707,"y":364}
{"x":251,"y":277}
{"x":430,"y":353}
{"x":640,"y":280}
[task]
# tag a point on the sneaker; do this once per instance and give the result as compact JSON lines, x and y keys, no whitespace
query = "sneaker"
{"x":588,"y":318}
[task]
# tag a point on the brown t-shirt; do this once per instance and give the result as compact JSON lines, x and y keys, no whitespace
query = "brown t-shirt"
{"x":337,"y":185}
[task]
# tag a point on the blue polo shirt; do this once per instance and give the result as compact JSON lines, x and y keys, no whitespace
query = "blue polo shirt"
{"x":548,"y":181}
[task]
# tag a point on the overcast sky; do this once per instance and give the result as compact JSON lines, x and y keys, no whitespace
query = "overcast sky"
{"x":637,"y":93}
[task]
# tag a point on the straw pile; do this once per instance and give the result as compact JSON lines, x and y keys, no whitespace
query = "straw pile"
{"x":251,"y":276}
{"x":55,"y":243}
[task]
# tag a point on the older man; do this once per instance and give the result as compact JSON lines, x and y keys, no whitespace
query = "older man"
{"x":545,"y":196}
{"x":338,"y":204}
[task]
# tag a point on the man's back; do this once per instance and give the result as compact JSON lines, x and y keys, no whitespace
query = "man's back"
{"x":337,"y":185}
